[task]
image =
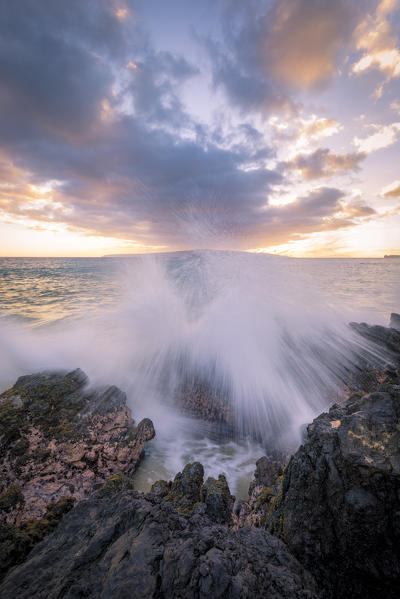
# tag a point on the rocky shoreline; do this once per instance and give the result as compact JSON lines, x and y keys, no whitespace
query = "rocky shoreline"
{"x":326,"y":524}
{"x":59,"y":440}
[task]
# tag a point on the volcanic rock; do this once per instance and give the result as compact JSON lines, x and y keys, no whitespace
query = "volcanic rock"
{"x":218,"y":500}
{"x":395,"y":321}
{"x":385,"y":337}
{"x":59,"y":439}
{"x":185,"y":490}
{"x":337,"y":505}
{"x":121,"y":543}
{"x":199,"y":397}
{"x":268,"y":470}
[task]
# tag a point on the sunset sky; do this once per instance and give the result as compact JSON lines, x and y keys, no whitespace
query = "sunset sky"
{"x":154,"y":125}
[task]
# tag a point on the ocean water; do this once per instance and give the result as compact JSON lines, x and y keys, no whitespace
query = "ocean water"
{"x":271,"y":332}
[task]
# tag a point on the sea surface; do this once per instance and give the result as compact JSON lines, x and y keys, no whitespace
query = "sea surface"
{"x":42,"y":290}
{"x":272,"y":330}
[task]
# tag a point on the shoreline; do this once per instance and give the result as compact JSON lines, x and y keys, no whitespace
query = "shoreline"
{"x":95,"y":448}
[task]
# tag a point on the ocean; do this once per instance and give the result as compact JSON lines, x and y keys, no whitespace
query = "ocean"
{"x":270,"y":332}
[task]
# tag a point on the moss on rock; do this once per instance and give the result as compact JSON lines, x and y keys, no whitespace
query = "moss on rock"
{"x":185,"y":489}
{"x":11,"y":497}
{"x":218,"y":499}
{"x":115,"y":484}
{"x":17,"y":541}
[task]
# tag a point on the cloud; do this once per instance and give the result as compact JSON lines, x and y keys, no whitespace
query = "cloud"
{"x":94,"y":144}
{"x":378,"y":43}
{"x":141,"y":183}
{"x":384,"y":136}
{"x":307,"y":38}
{"x":270,"y":50}
{"x":303,"y":130}
{"x":324,"y":163}
{"x":213,"y":199}
{"x":392,"y":190}
{"x":55,"y":66}
{"x":153,"y":85}
{"x":322,"y":209}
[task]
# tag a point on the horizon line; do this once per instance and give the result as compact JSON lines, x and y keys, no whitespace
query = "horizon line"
{"x":127,"y":255}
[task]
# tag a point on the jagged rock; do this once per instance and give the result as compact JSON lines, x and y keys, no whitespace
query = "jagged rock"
{"x":386,"y":337}
{"x":337,"y":505}
{"x":188,"y":494}
{"x":218,"y":500}
{"x":201,"y":398}
{"x":59,"y":438}
{"x":120,"y":544}
{"x":395,"y":321}
{"x":377,"y":360}
{"x":185,"y":490}
{"x":268,"y":469}
{"x":161,"y":488}
{"x":17,"y":541}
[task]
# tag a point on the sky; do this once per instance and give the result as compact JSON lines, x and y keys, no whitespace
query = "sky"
{"x":131,"y":126}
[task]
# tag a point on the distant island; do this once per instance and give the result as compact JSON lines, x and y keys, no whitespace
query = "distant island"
{"x":392,"y":256}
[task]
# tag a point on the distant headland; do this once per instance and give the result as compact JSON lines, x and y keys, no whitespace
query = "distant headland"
{"x":392,"y":256}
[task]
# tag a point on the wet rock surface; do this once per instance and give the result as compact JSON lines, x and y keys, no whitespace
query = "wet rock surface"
{"x":384,"y":337}
{"x":337,"y":505}
{"x":208,"y":400}
{"x":325,"y":523}
{"x":189,"y":494}
{"x":120,"y":543}
{"x":269,"y":469}
{"x":59,"y":438}
{"x":198,"y":397}
{"x":377,"y":356}
{"x":185,"y":490}
{"x":17,"y":541}
{"x":394,"y":321}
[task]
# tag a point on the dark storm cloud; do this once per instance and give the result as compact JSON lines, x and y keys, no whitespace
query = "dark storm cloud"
{"x":87,"y":102}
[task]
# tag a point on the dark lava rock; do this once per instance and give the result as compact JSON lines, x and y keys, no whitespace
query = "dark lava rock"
{"x":337,"y":505}
{"x":395,"y":321}
{"x":385,"y":337}
{"x":123,"y":544}
{"x":376,"y":356}
{"x":268,"y":470}
{"x":188,"y":494}
{"x":185,"y":490}
{"x":17,"y":541}
{"x":219,"y":502}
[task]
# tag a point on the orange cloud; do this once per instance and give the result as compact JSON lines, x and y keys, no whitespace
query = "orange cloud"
{"x":392,"y":191}
{"x":324,"y":163}
{"x":121,"y":13}
{"x":306,"y":40}
{"x":376,"y":39}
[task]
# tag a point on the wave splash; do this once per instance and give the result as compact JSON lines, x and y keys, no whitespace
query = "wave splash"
{"x":251,"y":333}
